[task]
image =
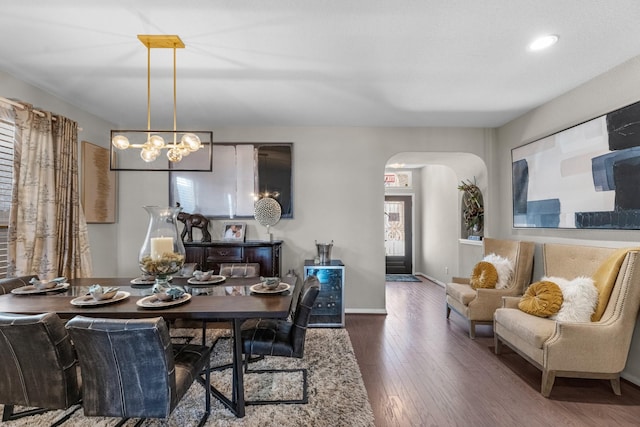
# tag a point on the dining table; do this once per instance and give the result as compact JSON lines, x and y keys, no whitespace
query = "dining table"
{"x":232,"y":300}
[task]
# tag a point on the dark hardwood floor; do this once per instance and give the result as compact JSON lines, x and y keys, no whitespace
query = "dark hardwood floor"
{"x":422,"y":370}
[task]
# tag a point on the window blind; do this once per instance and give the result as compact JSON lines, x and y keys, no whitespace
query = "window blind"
{"x":7,"y":138}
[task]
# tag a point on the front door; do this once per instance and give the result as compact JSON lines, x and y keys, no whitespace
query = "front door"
{"x":398,"y":235}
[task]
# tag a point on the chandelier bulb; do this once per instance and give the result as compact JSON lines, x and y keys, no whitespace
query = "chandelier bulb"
{"x":156,"y":141}
{"x":121,"y":142}
{"x":149,"y":154}
{"x":192,"y":141}
{"x":184,"y":150}
{"x":174,"y":155}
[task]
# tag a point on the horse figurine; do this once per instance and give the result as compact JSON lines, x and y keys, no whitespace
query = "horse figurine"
{"x":197,"y":221}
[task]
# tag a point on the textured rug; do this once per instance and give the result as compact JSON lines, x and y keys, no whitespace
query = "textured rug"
{"x":401,"y":278}
{"x":337,"y":396}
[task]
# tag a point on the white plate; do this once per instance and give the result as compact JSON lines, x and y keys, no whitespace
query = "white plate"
{"x":88,"y":300}
{"x":259,"y":288}
{"x":152,"y":301}
{"x":31,"y":290}
{"x":212,"y":281}
{"x":141,"y":281}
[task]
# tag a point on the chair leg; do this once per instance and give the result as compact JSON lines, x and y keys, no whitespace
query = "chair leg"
{"x":230,"y":364}
{"x":497,"y":344}
{"x":548,"y":378}
{"x":305,"y":396}
{"x":207,"y":394}
{"x":8,"y":414}
{"x":124,"y":420}
{"x":66,"y":416}
{"x":472,"y":329}
{"x":448,"y":311}
{"x":615,"y":385}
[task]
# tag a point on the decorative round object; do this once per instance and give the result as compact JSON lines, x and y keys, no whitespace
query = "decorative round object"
{"x":267,"y":211}
{"x":542,"y":299}
{"x":484,"y":275}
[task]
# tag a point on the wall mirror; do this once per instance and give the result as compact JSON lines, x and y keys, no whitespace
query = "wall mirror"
{"x":242,"y":173}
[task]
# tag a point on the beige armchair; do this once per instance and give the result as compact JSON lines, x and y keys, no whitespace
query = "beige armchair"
{"x":596,"y":349}
{"x":478,"y":305}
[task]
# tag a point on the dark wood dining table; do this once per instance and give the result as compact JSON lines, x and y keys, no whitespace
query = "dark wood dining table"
{"x":231,"y":300}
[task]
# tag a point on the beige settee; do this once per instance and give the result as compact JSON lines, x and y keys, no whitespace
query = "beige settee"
{"x":595,"y":349}
{"x":478,"y":305}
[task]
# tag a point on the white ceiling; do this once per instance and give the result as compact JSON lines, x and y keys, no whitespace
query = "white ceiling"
{"x":315,"y":62}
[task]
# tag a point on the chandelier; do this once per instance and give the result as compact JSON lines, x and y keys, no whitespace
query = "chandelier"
{"x":178,"y":144}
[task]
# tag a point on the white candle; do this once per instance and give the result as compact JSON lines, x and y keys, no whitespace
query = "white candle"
{"x":160,"y":245}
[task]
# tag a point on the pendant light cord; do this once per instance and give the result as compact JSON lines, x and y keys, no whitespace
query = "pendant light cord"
{"x":175,"y":141}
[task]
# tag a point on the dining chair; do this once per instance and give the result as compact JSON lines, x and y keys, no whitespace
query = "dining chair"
{"x":285,"y":338}
{"x":237,"y":269}
{"x":7,"y":285}
{"x":253,"y":322}
{"x":38,"y":366}
{"x":130,"y":368}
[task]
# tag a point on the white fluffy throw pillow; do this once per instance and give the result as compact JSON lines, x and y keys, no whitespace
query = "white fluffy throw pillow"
{"x":580,"y":297}
{"x":503,"y":267}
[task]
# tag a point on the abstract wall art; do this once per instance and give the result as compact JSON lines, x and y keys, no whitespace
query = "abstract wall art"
{"x":587,"y":176}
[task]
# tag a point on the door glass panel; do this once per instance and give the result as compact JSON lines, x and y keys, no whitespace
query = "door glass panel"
{"x":394,"y":228}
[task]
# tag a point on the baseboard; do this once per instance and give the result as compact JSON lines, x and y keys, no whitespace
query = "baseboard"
{"x":365,"y":311}
{"x":631,"y":378}
{"x":432,"y":279}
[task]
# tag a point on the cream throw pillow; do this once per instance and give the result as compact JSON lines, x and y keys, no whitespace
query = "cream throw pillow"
{"x":580,"y":297}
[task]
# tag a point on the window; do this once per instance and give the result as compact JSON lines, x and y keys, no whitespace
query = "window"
{"x":7,"y":138}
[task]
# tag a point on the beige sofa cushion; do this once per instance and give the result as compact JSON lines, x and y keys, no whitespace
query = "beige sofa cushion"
{"x":461,"y":292}
{"x":531,"y":329}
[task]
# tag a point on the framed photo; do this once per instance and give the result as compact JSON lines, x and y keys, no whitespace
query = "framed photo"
{"x":98,"y":185}
{"x":233,"y":231}
{"x":582,"y":177}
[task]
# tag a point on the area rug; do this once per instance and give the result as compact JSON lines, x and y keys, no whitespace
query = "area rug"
{"x":337,"y":396}
{"x":401,"y":278}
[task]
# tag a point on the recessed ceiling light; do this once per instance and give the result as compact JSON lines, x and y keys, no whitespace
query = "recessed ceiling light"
{"x":543,"y":42}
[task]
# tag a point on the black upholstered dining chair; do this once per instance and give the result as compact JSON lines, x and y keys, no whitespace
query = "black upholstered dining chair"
{"x":252,"y":323}
{"x":130,"y":368}
{"x":38,"y":366}
{"x":7,"y":285}
{"x":285,"y":338}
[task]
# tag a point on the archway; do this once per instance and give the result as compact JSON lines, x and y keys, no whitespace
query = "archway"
{"x":437,"y":231}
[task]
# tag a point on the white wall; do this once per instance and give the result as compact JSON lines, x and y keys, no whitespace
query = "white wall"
{"x":612,"y":90}
{"x":338,"y":195}
{"x":440,"y":222}
{"x":338,"y":192}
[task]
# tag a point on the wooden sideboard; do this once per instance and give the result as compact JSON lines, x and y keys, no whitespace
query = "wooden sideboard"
{"x":209,"y":255}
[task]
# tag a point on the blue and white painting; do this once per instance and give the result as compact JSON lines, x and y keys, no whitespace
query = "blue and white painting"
{"x":587,"y":176}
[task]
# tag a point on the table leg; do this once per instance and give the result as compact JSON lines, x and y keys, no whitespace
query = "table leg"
{"x":236,"y":403}
{"x":238,"y":376}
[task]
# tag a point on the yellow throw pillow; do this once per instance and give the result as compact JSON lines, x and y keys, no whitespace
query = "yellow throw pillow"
{"x":605,"y":277}
{"x":484,"y":275}
{"x":541,"y":299}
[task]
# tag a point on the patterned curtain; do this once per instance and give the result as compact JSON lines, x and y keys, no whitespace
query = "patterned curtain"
{"x":73,"y":254}
{"x":47,"y":230}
